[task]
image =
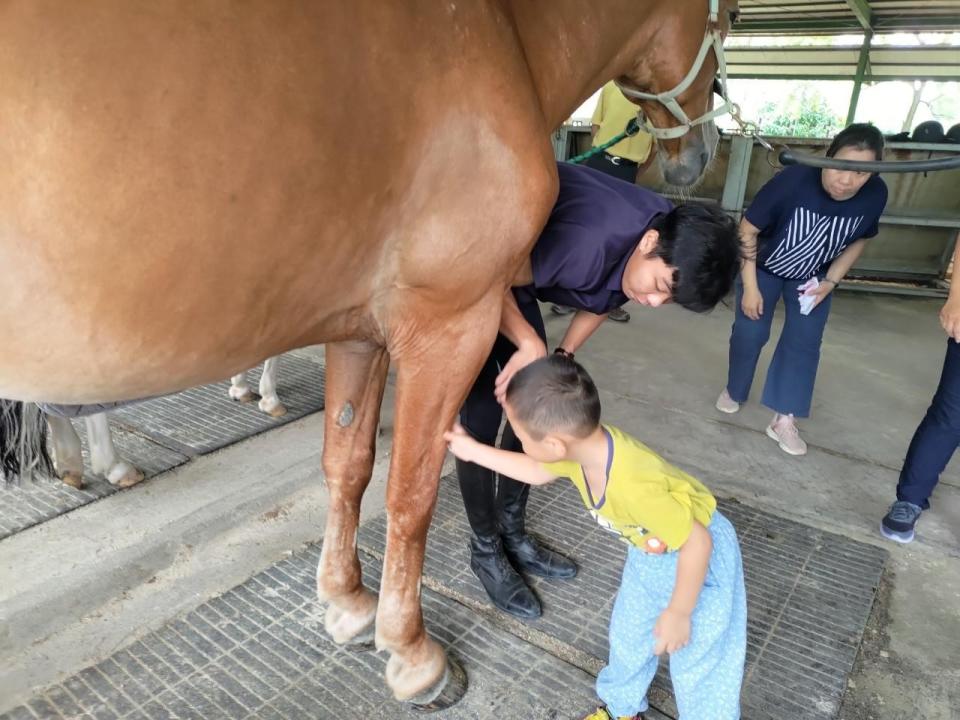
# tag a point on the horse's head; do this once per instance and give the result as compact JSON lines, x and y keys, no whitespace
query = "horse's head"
{"x":673,"y":81}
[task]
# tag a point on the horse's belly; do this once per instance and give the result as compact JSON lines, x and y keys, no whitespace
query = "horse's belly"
{"x":162,"y":227}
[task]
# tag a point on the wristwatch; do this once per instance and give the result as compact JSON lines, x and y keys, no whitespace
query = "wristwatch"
{"x":565,"y":353}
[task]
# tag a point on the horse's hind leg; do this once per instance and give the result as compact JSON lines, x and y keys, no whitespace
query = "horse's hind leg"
{"x":104,"y":458}
{"x":67,"y":456}
{"x":269,"y":401}
{"x":356,"y":375}
{"x":239,"y":389}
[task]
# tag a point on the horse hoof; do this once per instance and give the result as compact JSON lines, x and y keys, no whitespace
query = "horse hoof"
{"x":74,"y":480}
{"x":242,"y":395}
{"x":364,"y":642}
{"x":125,"y":477}
{"x":275,"y":411}
{"x":448,"y":691}
{"x":352,"y":630}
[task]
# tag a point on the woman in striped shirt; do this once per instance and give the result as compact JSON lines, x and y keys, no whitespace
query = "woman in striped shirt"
{"x":801,"y":234}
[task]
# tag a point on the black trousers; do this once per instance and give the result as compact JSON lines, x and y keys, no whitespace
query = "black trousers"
{"x":625,"y":170}
{"x":481,"y":416}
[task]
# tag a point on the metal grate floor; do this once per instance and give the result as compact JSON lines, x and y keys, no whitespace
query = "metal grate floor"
{"x":259,"y":650}
{"x":158,"y":435}
{"x":809,"y":594}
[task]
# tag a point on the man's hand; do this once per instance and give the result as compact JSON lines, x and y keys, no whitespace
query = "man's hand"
{"x":525,"y":354}
{"x":752,"y":302}
{"x":672,"y":632}
{"x":950,"y":318}
{"x":461,"y":444}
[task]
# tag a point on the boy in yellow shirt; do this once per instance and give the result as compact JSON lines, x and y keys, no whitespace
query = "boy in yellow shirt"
{"x":682,"y":588}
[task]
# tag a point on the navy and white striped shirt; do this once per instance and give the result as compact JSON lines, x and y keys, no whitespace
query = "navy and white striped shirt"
{"x":802,"y":229}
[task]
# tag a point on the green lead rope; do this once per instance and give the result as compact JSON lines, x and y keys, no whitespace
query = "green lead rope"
{"x":633,"y":127}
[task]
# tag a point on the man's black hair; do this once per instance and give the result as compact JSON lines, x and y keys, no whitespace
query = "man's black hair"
{"x":703,"y":243}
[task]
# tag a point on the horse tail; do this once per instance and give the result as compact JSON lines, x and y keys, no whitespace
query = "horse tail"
{"x":23,"y":441}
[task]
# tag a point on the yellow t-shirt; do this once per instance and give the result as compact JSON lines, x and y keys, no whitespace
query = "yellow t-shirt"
{"x":612,"y":114}
{"x":644,"y":496}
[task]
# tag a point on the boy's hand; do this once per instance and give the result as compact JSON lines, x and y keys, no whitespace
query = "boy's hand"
{"x":672,"y":632}
{"x":461,"y":444}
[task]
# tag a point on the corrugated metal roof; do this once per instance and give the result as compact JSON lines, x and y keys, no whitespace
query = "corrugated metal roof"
{"x":766,"y":17}
{"x":843,"y":17}
{"x":840,"y":63}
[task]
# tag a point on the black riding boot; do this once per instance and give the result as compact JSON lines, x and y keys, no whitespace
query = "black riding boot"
{"x":506,"y":588}
{"x":525,"y":552}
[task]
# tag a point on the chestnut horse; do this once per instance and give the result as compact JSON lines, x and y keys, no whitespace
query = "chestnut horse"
{"x":192,"y":186}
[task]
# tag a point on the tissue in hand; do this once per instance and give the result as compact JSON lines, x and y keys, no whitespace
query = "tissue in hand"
{"x":806,"y":301}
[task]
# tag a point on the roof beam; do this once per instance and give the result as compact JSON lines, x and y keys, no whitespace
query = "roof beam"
{"x":861,"y":9}
{"x":861,"y":71}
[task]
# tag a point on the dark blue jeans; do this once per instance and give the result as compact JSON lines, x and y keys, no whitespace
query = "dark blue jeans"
{"x":793,"y":369}
{"x":936,"y":438}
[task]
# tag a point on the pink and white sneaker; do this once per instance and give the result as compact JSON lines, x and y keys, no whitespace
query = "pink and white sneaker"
{"x":784,"y":430}
{"x":727,"y":404}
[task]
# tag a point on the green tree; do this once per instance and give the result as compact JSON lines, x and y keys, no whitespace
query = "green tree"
{"x":804,"y":114}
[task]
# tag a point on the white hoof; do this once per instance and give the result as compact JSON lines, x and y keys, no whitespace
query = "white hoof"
{"x":409,"y":678}
{"x":241,"y":394}
{"x":343,"y":627}
{"x":272,"y":407}
{"x":123,"y":475}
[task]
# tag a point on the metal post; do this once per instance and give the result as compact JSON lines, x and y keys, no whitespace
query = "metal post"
{"x":861,"y":71}
{"x":738,"y":168}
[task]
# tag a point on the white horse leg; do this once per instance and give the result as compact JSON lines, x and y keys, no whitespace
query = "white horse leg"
{"x":239,"y":389}
{"x":104,"y":459}
{"x":67,"y":456}
{"x":269,"y":402}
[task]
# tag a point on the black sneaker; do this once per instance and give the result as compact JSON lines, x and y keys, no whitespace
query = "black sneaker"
{"x":619,"y":315}
{"x":898,"y":524}
{"x":561,"y":309}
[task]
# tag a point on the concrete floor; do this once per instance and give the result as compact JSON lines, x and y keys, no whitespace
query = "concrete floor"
{"x":126,"y":564}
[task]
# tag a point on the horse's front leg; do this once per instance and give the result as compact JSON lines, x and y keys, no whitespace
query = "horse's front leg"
{"x":269,"y":401}
{"x":356,"y":375}
{"x":434,"y":373}
{"x":104,"y":458}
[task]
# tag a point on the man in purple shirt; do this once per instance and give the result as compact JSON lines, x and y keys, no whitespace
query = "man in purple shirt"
{"x":606,"y":242}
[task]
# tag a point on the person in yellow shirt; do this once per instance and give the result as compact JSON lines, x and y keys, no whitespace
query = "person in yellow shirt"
{"x":611,"y":115}
{"x":624,"y":160}
{"x":682,"y":589}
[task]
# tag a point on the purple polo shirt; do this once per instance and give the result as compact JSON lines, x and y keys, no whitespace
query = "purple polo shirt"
{"x":593,"y":229}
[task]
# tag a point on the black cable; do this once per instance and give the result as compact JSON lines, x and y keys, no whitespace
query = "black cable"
{"x":789,"y":157}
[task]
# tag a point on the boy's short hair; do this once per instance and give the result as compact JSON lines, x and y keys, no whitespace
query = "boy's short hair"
{"x":554,"y":394}
{"x":703,"y":243}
